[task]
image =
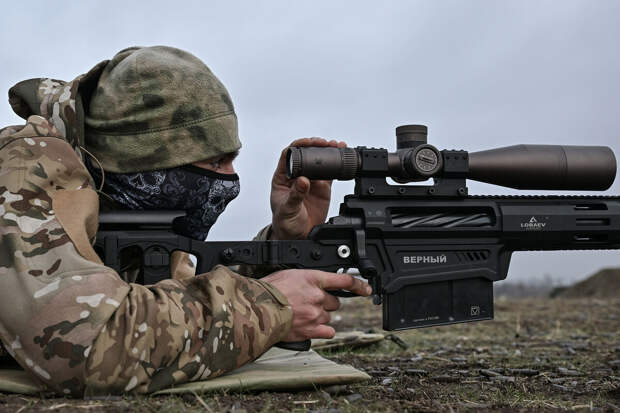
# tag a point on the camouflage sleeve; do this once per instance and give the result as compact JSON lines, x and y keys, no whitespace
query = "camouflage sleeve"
{"x":178,"y":331}
{"x":74,"y":324}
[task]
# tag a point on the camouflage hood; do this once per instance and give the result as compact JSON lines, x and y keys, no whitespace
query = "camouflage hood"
{"x":56,"y":100}
{"x":148,"y":108}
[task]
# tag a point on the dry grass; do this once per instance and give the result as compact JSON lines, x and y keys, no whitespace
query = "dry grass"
{"x":538,"y":355}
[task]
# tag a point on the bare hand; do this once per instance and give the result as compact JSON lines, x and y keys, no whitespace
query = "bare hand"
{"x":299,"y":204}
{"x":311,"y":303}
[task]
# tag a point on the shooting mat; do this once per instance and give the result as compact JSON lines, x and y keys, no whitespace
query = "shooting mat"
{"x":277,"y":369}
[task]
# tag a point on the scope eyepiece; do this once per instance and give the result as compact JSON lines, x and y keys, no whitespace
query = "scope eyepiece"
{"x":322,"y":163}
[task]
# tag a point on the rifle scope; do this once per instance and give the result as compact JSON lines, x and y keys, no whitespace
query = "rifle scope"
{"x":551,"y":167}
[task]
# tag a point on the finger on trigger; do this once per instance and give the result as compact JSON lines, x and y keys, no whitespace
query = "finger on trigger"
{"x":333,"y":281}
{"x":345,"y":282}
{"x":360,"y":287}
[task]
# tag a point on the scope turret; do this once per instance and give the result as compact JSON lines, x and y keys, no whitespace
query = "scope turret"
{"x":550,"y":167}
{"x":411,"y":136}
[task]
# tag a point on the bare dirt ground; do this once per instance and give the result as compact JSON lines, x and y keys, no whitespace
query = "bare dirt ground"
{"x":537,"y":355}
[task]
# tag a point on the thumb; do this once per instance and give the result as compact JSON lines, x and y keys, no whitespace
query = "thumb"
{"x":296,"y":194}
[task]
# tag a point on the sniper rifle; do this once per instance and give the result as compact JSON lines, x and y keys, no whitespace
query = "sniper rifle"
{"x":430,"y":252}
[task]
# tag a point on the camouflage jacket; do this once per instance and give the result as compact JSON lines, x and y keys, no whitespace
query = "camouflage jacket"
{"x":72,"y":322}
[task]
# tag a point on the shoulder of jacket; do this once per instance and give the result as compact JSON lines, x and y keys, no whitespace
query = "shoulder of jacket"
{"x":36,"y":127}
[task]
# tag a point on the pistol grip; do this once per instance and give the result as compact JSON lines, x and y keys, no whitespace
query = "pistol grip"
{"x":295,"y":345}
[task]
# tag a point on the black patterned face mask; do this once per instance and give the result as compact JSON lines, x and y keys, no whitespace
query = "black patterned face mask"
{"x":201,"y":193}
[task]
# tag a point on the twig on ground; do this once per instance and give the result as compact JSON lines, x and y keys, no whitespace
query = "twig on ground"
{"x":201,"y":401}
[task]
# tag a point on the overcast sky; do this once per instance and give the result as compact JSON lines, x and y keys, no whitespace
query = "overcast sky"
{"x":480,"y":74}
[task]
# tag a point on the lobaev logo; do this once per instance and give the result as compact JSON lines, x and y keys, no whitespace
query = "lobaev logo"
{"x":533,"y":224}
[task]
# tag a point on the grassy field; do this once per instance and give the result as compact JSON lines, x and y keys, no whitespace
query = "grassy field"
{"x":537,"y":355}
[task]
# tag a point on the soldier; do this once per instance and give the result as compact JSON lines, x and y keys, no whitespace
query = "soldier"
{"x":156,"y":129}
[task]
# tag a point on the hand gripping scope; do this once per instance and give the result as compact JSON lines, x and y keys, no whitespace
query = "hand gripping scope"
{"x":551,"y":167}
